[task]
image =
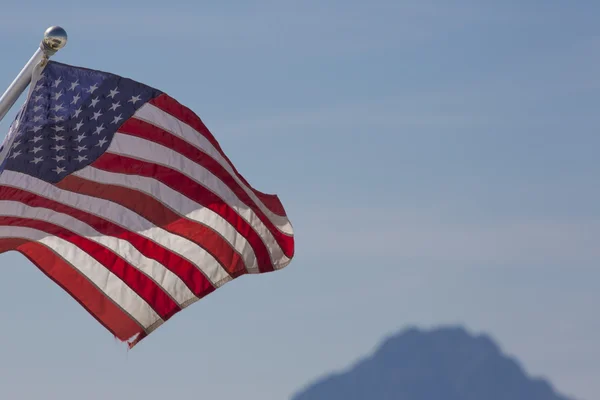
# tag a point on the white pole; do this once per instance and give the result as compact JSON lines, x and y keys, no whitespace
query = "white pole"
{"x":55,"y":38}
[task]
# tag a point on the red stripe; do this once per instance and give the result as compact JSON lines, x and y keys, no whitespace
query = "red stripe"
{"x":145,"y":287}
{"x":144,"y":130}
{"x":188,"y":187}
{"x":155,"y":212}
{"x":184,"y":114}
{"x":181,"y":267}
{"x":102,"y":308}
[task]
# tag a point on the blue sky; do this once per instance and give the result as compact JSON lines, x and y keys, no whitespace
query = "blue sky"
{"x":438,"y":161}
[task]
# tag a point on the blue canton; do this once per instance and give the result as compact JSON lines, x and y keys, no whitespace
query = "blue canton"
{"x":70,"y":120}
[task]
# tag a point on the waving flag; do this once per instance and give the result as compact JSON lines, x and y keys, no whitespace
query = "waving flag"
{"x":123,"y":197}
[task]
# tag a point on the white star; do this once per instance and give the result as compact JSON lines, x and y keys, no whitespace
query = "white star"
{"x":59,"y":170}
{"x":57,"y":138}
{"x":102,"y":142}
{"x":80,"y":138}
{"x":16,"y":154}
{"x":97,"y":115}
{"x":38,"y":98}
{"x":77,"y":112}
{"x":134,"y":99}
{"x":57,"y":118}
{"x":37,"y":118}
{"x":74,"y":85}
{"x":117,"y":119}
{"x":113,"y":93}
{"x":39,"y":86}
{"x":75,"y":99}
{"x":59,"y":158}
{"x":36,"y":139}
{"x":57,"y":82}
{"x":93,"y":88}
{"x":81,"y":158}
{"x":58,"y":147}
{"x":115,"y":106}
{"x":36,"y":128}
{"x":36,"y":149}
{"x":95,"y":101}
{"x":57,"y":128}
{"x":37,"y":108}
{"x":81,"y":148}
{"x":58,"y":95}
{"x":78,"y":126}
{"x":99,"y":129}
{"x":17,"y":143}
{"x":37,"y":160}
{"x":58,"y":107}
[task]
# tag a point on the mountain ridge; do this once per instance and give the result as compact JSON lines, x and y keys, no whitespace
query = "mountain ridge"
{"x":446,"y":363}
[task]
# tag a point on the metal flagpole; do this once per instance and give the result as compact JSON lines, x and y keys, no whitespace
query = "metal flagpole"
{"x":55,"y":38}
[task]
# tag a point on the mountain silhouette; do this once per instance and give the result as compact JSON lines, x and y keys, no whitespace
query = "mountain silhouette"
{"x":441,"y":364}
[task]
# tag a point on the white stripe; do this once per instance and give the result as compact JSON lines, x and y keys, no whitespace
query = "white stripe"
{"x":106,"y":281}
{"x":170,"y":282}
{"x":146,"y":150}
{"x":123,"y":217}
{"x":180,"y":205}
{"x":163,"y":120}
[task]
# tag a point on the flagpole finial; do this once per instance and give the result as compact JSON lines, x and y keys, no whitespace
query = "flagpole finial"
{"x":55,"y":38}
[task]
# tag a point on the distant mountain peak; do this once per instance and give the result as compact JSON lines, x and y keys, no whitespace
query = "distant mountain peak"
{"x":446,"y":363}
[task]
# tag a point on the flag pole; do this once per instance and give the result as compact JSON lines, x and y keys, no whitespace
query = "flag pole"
{"x":55,"y":38}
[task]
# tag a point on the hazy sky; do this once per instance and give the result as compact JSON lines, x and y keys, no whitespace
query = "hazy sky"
{"x":439,"y":162}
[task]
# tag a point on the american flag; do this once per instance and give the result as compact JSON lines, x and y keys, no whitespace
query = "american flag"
{"x":122,"y":196}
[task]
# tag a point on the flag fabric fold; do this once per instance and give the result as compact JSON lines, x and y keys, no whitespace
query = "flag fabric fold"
{"x":123,"y":197}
